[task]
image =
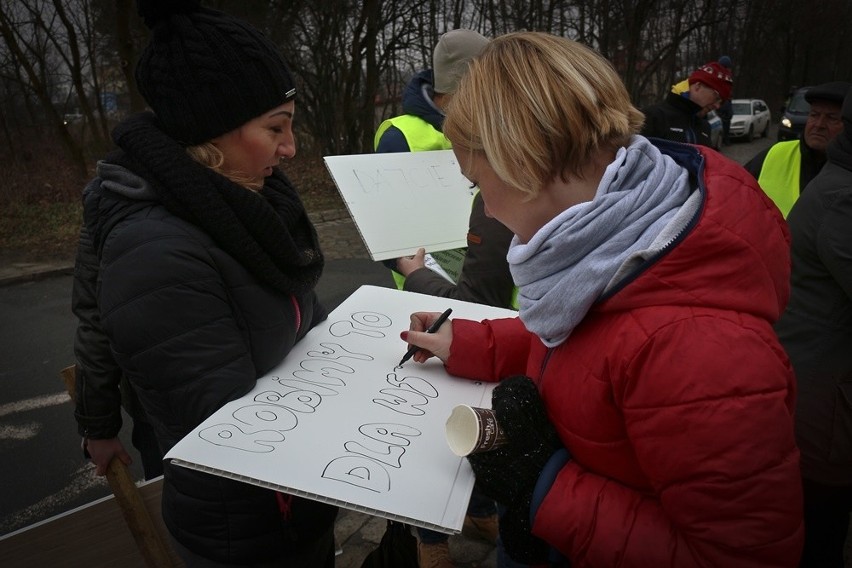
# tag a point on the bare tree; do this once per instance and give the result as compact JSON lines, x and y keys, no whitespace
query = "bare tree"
{"x":29,"y":42}
{"x":126,"y":50}
{"x":73,"y":42}
{"x":343,"y":53}
{"x":351,"y":60}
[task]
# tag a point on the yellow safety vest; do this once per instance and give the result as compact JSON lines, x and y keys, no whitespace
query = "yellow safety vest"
{"x":779,"y":175}
{"x":680,"y":87}
{"x":421,"y":137}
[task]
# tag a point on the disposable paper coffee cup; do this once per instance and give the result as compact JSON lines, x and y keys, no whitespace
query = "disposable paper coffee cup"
{"x":471,"y":430}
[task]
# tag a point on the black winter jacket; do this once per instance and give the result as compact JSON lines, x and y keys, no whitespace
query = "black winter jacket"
{"x":101,"y":390}
{"x":676,"y":118}
{"x":98,"y":398}
{"x":816,"y":327}
{"x":192,"y":327}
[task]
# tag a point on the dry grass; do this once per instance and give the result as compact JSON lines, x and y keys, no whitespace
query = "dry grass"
{"x":39,"y":231}
{"x":40,"y":209}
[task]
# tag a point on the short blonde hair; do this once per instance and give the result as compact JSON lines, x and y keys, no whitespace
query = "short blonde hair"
{"x":540,"y":106}
{"x":207,"y":154}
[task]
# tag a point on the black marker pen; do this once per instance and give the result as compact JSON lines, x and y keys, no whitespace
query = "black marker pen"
{"x":432,"y":329}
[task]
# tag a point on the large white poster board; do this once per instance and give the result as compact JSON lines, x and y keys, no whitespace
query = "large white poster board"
{"x":403,"y":201}
{"x":337,"y":421}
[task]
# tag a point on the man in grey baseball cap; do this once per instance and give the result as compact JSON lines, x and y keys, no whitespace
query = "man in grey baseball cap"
{"x":451,"y":57}
{"x":484,"y":277}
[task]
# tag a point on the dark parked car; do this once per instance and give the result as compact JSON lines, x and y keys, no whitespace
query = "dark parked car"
{"x":795,"y":115}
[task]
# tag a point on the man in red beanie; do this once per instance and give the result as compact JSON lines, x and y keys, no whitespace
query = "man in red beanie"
{"x":680,"y":117}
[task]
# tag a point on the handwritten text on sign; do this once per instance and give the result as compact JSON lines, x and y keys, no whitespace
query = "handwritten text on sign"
{"x":260,"y":427}
{"x":337,"y":421}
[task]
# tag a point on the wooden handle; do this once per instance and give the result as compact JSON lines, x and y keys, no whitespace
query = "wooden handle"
{"x":69,"y":378}
{"x":136,"y":516}
{"x":149,"y":541}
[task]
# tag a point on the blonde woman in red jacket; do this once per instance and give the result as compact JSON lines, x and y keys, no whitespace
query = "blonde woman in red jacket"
{"x":648,"y":403}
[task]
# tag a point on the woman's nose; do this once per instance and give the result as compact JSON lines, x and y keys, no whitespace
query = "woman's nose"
{"x":287,"y":148}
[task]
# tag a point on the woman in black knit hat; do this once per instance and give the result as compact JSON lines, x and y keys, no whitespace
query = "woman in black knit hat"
{"x":207,"y":263}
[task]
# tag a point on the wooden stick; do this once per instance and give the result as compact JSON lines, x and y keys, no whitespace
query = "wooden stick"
{"x":150,"y":542}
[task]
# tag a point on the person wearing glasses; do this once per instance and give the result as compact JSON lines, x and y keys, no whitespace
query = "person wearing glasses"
{"x":784,"y":169}
{"x":681,"y":117}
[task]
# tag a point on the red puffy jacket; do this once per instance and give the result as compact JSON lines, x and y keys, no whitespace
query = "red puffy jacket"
{"x":674,"y":399}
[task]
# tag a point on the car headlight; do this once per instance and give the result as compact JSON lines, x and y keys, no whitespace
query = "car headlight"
{"x":785,"y":122}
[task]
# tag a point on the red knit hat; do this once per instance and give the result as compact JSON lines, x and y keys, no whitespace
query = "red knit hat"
{"x":714,"y":76}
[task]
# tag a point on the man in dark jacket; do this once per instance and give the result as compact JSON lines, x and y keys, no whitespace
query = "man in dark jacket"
{"x":481,"y":271}
{"x":680,"y":117}
{"x":785,"y":168}
{"x":816,"y":331}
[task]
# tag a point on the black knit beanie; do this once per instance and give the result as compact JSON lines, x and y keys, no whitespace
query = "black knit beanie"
{"x":204,"y":73}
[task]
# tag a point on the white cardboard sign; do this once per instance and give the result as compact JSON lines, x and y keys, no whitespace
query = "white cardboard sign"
{"x":337,"y":421}
{"x":403,"y":201}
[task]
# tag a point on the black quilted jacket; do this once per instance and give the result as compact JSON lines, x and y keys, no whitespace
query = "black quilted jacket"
{"x":676,"y":119}
{"x":192,"y":328}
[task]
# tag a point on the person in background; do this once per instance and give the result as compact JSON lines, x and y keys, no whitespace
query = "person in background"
{"x":726,"y":109}
{"x":680,"y":117}
{"x":647,"y":402}
{"x":784,"y":169}
{"x":484,"y":275}
{"x":816,"y":331}
{"x":207,"y":263}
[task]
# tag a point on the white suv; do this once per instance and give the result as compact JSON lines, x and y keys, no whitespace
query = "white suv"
{"x":751,"y":118}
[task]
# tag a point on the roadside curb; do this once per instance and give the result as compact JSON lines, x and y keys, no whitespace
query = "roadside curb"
{"x":18,"y":272}
{"x":329,"y":215}
{"x":24,"y":271}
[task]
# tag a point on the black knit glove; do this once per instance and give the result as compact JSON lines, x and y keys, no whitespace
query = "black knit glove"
{"x":509,"y":473}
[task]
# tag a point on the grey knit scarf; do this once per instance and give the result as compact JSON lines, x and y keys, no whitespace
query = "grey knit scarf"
{"x":570,"y":261}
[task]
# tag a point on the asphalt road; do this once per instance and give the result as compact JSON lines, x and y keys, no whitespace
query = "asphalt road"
{"x":741,"y":151}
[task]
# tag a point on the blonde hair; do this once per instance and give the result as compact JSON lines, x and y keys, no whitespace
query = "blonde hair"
{"x":207,"y":154}
{"x":540,"y":106}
